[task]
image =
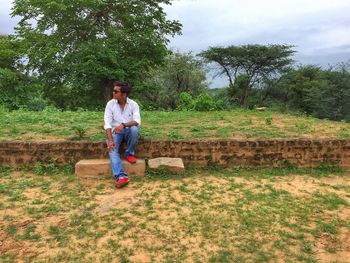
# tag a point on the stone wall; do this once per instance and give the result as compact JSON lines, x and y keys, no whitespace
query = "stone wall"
{"x":258,"y":153}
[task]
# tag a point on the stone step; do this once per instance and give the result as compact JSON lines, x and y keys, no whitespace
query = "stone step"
{"x":173,"y":165}
{"x":102,"y":167}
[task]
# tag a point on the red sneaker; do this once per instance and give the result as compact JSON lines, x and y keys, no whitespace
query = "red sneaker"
{"x":131,"y":159}
{"x":121,"y":182}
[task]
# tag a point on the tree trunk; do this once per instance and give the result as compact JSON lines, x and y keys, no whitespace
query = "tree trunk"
{"x":245,"y":97}
{"x":107,"y":89}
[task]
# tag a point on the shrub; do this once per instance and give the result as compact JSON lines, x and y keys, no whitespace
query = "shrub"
{"x":204,"y":103}
{"x":186,"y":101}
{"x":80,"y":131}
{"x":36,"y":104}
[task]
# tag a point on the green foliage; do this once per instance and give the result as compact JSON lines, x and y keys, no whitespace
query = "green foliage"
{"x":180,"y":72}
{"x":36,"y":104}
{"x":79,"y":48}
{"x":344,"y":133}
{"x":29,"y":233}
{"x":204,"y":103}
{"x":80,"y":131}
{"x":334,"y":102}
{"x":17,"y":88}
{"x":247,"y":66}
{"x":50,"y":168}
{"x":52,"y":123}
{"x":303,"y":87}
{"x":268,"y":120}
{"x":239,"y":88}
{"x":186,"y":101}
{"x":222,"y":99}
{"x":318,"y":92}
{"x":12,"y":230}
{"x":10,"y":52}
{"x":174,"y":135}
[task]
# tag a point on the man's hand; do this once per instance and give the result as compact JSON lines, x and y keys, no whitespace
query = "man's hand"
{"x":111,"y":146}
{"x":118,"y":129}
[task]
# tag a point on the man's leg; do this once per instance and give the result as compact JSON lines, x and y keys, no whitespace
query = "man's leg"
{"x":114,"y":157}
{"x":131,"y":136}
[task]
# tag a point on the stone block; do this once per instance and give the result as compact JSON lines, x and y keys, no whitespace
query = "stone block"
{"x":102,"y":167}
{"x":93,"y":168}
{"x":174,"y":165}
{"x":135,"y":169}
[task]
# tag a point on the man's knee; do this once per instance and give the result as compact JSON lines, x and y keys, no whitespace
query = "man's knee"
{"x":134,"y":131}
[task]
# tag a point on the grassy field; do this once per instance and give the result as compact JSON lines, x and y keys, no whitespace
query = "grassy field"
{"x":213,"y":215}
{"x":235,"y":124}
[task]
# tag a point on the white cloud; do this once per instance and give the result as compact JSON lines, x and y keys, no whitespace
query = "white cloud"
{"x":320,"y":29}
{"x":209,"y":22}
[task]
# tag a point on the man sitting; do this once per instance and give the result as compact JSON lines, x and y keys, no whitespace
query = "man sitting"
{"x":121,"y":121}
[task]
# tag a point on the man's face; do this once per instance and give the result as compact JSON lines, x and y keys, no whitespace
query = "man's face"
{"x":117,"y":94}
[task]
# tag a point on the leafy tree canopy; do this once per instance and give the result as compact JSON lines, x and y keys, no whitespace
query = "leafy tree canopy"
{"x":315,"y":91}
{"x":17,"y":88}
{"x":252,"y":62}
{"x":180,"y":72}
{"x":82,"y":46}
{"x":9,"y":52}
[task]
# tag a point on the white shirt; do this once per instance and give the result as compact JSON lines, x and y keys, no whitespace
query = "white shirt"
{"x":115,"y":115}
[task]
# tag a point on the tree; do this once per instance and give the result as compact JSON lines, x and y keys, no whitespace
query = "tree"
{"x":299,"y":88}
{"x":17,"y":88}
{"x":252,"y":62}
{"x":334,"y":100}
{"x":180,"y":72}
{"x":9,"y":52}
{"x":315,"y":91}
{"x":82,"y":46}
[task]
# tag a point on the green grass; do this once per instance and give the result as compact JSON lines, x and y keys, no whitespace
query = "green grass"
{"x":204,"y":215}
{"x":243,"y":124}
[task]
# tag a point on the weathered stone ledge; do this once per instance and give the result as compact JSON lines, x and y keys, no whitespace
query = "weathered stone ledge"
{"x":258,"y":153}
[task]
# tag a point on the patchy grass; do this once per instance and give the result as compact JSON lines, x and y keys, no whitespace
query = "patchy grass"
{"x":236,"y":124}
{"x":212,"y":215}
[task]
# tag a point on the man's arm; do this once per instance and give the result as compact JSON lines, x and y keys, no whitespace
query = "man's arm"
{"x":111,"y":143}
{"x":124,"y":125}
{"x":108,"y":117}
{"x":136,"y":115}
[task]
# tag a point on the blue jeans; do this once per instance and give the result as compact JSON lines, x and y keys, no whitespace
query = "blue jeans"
{"x":130,"y":135}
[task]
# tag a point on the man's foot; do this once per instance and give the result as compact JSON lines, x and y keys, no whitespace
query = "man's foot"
{"x":131,"y":159}
{"x":121,"y":182}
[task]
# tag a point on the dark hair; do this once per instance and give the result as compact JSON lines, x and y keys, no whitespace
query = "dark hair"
{"x":125,"y":87}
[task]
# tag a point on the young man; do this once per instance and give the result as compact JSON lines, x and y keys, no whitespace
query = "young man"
{"x":121,"y":121}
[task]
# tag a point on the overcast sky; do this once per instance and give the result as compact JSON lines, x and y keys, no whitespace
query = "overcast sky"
{"x":320,"y":29}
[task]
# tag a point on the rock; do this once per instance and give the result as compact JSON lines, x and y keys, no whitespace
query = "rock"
{"x":174,"y":165}
{"x":135,"y":169}
{"x":101,"y":167}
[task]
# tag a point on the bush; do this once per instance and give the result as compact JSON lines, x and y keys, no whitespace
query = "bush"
{"x":186,"y":102}
{"x":204,"y":103}
{"x":36,"y":104}
{"x":20,"y":91}
{"x":51,"y":109}
{"x":79,"y":130}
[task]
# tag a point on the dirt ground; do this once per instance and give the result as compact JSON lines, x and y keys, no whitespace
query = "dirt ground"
{"x":197,"y":218}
